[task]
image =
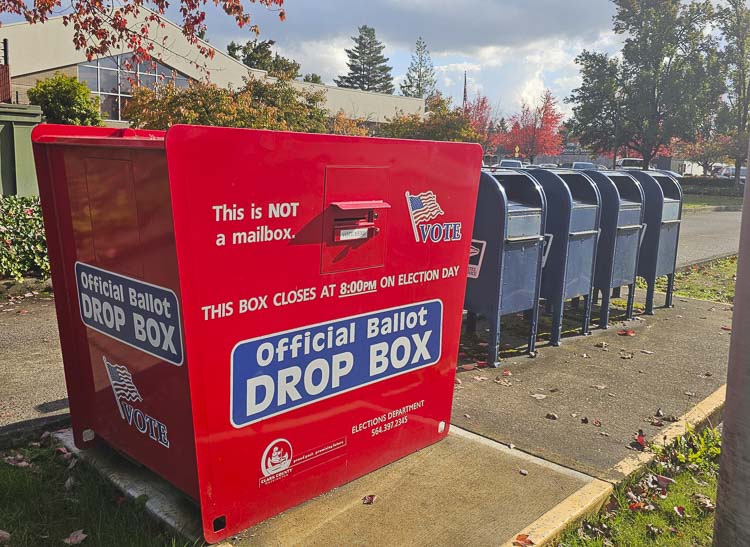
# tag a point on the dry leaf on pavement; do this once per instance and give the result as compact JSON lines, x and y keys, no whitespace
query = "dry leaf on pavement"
{"x":75,"y":538}
{"x":369,"y":499}
{"x":523,"y":540}
{"x":626,"y":332}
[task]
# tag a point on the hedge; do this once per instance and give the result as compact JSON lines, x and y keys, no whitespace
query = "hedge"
{"x":23,"y":249}
{"x":707,"y":182}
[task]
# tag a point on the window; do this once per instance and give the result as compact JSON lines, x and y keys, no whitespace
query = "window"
{"x":112,"y":80}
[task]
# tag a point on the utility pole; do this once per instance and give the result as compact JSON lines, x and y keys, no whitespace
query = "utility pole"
{"x":466,"y":94}
{"x":732,"y":524}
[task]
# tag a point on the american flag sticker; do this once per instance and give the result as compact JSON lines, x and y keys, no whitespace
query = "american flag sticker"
{"x":423,"y":208}
{"x":122,"y":385}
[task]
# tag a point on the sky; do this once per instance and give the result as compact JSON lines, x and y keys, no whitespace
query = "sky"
{"x":511,"y":50}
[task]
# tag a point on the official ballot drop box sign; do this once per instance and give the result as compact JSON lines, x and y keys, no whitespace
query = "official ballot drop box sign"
{"x":256,"y":316}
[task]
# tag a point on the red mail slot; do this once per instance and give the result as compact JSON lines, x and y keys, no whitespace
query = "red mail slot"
{"x":256,"y":316}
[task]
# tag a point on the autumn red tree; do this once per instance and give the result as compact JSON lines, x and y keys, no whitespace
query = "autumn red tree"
{"x":484,"y":121}
{"x":535,"y":130}
{"x":100,"y":26}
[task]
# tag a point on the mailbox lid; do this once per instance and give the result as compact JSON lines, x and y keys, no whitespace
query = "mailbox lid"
{"x":523,"y":220}
{"x":629,"y":213}
{"x":258,"y":457}
{"x":584,"y":216}
{"x":671,"y":209}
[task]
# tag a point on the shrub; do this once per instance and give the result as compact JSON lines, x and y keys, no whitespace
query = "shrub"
{"x":23,"y":249}
{"x":65,"y":100}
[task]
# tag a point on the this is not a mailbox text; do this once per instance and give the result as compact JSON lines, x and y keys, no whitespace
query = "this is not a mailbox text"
{"x":142,"y":315}
{"x":278,"y":373}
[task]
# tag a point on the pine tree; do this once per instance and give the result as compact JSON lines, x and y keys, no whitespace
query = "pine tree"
{"x":368,"y":69}
{"x":420,"y":78}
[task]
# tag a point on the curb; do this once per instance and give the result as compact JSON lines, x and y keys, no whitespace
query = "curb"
{"x":712,"y":209}
{"x":703,"y":261}
{"x":19,"y":432}
{"x":589,"y":499}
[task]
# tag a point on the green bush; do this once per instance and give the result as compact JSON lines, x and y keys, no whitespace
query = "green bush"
{"x":23,"y":249}
{"x":65,"y":100}
{"x":707,"y":182}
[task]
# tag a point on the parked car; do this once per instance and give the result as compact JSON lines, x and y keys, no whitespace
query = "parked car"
{"x":728,"y":173}
{"x":674,"y":174}
{"x":509,"y":164}
{"x":578,"y":165}
{"x":600,"y":167}
{"x":531,"y":166}
{"x":630,"y":163}
{"x":548,"y":166}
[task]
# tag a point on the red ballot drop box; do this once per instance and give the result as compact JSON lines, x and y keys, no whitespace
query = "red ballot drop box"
{"x":256,"y":316}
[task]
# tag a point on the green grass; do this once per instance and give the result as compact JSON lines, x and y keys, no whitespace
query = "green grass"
{"x":713,"y":281}
{"x":694,"y":201}
{"x":37,"y":510}
{"x":692,"y":461}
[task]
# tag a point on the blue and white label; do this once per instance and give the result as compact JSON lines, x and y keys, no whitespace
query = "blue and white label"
{"x":284,"y":371}
{"x":139,"y":314}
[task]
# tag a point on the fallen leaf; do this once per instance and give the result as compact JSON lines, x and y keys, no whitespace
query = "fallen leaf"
{"x":706,"y":374}
{"x":597,"y":423}
{"x":523,"y":540}
{"x":641,"y":439}
{"x":75,"y":538}
{"x":626,"y":354}
{"x":612,"y":504}
{"x":458,"y":381}
{"x":584,"y":420}
{"x":538,"y":396}
{"x":467,"y":416}
{"x":626,"y":332}
{"x":704,"y":503}
{"x":659,"y":413}
{"x":637,"y":506}
{"x":467,"y":367}
{"x":585,"y":355}
{"x":647,"y":352}
{"x":663,"y":481}
{"x":4,"y":537}
{"x":690,"y":393}
{"x":601,"y":345}
{"x":503,"y":381}
{"x":523,"y":472}
{"x":726,"y":328}
{"x":506,"y":372}
{"x":600,"y":386}
{"x":653,"y":530}
{"x":481,"y":364}
{"x":680,"y":510}
{"x":480,"y":378}
{"x":551,"y":416}
{"x":369,"y":499}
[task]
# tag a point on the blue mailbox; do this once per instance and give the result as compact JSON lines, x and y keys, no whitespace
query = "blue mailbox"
{"x":663,"y":217}
{"x":573,"y":229}
{"x":622,"y":227}
{"x":507,"y":247}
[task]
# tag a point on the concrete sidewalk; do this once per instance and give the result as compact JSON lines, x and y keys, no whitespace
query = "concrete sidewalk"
{"x":469,"y":489}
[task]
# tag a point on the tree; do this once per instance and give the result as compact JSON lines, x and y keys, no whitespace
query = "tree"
{"x":441,"y":123}
{"x":536,"y":129}
{"x":734,"y":23}
{"x":484,"y":121}
{"x":667,"y":82}
{"x":101,"y":28}
{"x":258,"y":54}
{"x":341,"y":124}
{"x":312,"y":78}
{"x":368,"y":68}
{"x":65,"y":100}
{"x":260,"y":104}
{"x":707,"y":152}
{"x":420,"y":78}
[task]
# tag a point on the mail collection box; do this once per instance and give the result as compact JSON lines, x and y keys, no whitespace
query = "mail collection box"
{"x":256,"y":316}
{"x":622,"y":231}
{"x":663,"y":217}
{"x":507,"y":251}
{"x":573,"y":230}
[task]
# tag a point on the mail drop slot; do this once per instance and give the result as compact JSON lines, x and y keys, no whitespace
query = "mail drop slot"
{"x":282,"y":317}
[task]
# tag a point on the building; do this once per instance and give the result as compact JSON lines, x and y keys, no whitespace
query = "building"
{"x":38,"y":51}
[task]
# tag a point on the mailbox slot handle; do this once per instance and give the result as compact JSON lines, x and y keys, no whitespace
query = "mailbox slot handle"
{"x":629,"y":227}
{"x":519,"y":239}
{"x":359,"y":223}
{"x":644,"y":227}
{"x":676,"y":221}
{"x":547,"y":247}
{"x":584,"y":233}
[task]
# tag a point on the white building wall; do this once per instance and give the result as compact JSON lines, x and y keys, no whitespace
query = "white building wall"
{"x":43,"y":48}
